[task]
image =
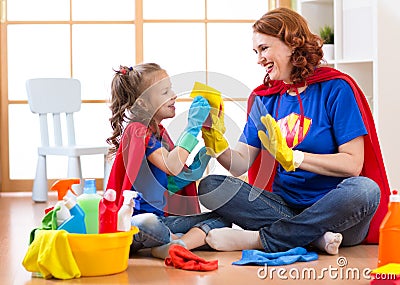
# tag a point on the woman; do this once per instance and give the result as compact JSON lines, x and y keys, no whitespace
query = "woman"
{"x":308,"y":118}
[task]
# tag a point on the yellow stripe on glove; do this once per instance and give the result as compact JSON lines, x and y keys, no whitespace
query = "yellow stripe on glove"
{"x":275,"y":143}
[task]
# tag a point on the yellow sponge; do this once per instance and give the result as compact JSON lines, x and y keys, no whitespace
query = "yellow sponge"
{"x":214,"y":127}
{"x":212,"y":95}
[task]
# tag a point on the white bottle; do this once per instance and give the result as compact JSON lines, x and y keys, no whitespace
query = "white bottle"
{"x":63,"y":213}
{"x":126,"y":211}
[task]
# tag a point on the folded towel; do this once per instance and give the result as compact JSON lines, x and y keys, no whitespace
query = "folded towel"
{"x":51,"y":255}
{"x":183,"y":258}
{"x":257,"y":257}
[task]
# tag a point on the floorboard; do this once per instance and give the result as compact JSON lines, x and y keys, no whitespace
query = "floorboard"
{"x":19,"y":215}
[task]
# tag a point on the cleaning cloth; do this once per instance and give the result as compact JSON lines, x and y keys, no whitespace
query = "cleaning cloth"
{"x":257,"y":257}
{"x":51,"y":255}
{"x":214,"y":127}
{"x":212,"y":95}
{"x":183,"y":258}
{"x":49,"y":222}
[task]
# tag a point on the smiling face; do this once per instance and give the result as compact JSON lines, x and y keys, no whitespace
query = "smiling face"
{"x":162,"y":97}
{"x":274,"y":55}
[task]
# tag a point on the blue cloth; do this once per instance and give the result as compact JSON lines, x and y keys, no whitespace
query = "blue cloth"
{"x":332,"y":118}
{"x":257,"y":257}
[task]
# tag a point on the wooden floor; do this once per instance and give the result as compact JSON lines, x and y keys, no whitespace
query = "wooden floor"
{"x":19,"y":215}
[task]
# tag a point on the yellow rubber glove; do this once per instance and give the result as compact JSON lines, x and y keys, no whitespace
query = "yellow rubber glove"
{"x":214,"y":128}
{"x":275,"y":143}
{"x":215,"y":142}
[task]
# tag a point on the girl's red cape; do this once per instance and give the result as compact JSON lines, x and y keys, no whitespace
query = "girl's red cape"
{"x":128,"y":160}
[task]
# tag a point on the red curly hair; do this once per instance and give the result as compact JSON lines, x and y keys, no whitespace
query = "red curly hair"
{"x":291,"y":28}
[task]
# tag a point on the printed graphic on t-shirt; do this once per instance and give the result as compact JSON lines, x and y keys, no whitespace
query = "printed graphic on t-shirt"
{"x":291,"y":129}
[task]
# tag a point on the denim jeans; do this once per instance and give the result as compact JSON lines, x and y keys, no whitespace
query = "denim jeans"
{"x":348,"y":210}
{"x":156,"y":230}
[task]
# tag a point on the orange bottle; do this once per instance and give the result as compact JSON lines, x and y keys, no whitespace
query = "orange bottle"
{"x":389,"y":233}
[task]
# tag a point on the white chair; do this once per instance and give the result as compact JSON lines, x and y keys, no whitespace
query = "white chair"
{"x":55,"y":96}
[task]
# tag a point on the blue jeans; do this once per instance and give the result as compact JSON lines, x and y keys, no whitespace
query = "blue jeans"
{"x":348,"y":210}
{"x":156,"y":230}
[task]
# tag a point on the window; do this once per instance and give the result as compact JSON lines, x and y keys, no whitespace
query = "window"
{"x":197,"y":40}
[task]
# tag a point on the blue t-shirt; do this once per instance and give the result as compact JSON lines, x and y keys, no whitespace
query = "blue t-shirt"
{"x":332,"y":118}
{"x":152,"y":182}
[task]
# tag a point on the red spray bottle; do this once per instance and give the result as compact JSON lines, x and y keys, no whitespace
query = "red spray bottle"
{"x":108,"y":212}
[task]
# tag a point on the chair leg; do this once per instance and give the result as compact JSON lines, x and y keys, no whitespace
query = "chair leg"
{"x":40,"y":189}
{"x":75,"y":171}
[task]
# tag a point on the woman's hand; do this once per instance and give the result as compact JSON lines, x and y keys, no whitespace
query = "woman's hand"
{"x":275,"y":143}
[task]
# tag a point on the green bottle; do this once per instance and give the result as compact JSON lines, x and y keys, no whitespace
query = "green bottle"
{"x":89,"y":202}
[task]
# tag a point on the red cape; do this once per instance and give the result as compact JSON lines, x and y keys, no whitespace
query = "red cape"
{"x":125,"y":169}
{"x":262,"y":172}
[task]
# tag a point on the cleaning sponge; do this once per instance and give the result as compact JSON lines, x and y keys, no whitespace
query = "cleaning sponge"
{"x":214,"y":127}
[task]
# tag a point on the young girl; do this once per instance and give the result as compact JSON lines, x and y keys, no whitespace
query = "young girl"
{"x":146,"y":159}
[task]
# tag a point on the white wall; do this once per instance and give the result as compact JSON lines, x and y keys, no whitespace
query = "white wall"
{"x":388,"y":86}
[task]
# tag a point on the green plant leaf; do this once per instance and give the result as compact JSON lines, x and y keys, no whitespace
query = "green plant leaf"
{"x":326,"y":34}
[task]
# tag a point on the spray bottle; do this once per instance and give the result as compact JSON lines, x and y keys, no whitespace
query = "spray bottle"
{"x":389,"y":233}
{"x":63,"y":185}
{"x":89,"y":202}
{"x":108,"y":212}
{"x":126,"y":211}
{"x":62,"y":213}
{"x":75,"y":224}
